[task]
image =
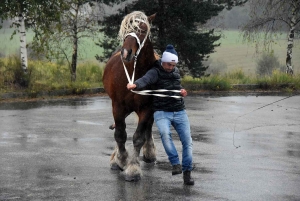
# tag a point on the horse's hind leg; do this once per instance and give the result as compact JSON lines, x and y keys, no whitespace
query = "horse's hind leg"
{"x":149,"y":149}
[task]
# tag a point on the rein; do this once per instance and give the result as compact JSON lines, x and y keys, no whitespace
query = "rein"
{"x":234,"y":131}
{"x":144,"y":92}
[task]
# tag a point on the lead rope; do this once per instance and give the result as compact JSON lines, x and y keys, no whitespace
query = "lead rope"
{"x":144,"y":92}
{"x":254,"y":111}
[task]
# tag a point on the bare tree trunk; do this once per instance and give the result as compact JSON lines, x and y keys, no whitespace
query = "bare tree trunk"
{"x":75,"y":46}
{"x":23,"y":49}
{"x":289,"y":54}
{"x":74,"y":59}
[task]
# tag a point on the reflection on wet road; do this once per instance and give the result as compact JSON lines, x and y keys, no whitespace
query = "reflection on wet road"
{"x":60,"y":150}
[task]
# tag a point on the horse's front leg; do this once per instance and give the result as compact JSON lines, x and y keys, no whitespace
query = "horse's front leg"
{"x":133,"y":171}
{"x":119,"y":156}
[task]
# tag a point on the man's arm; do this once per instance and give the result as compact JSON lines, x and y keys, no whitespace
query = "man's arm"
{"x":149,"y":78}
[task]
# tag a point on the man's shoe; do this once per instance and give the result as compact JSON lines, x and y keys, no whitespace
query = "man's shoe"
{"x":187,"y":179}
{"x":176,"y":169}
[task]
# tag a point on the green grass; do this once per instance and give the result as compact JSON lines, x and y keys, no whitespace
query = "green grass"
{"x":277,"y":81}
{"x":47,"y":76}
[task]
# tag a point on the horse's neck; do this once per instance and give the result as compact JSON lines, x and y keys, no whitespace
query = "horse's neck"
{"x":146,"y":58}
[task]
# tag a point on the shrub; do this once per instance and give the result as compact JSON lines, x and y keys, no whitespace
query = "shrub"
{"x":266,"y":64}
{"x":11,"y":73}
{"x":216,"y":67}
{"x":89,"y":72}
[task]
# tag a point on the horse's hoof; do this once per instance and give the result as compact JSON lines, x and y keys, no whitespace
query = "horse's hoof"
{"x":148,"y":160}
{"x":133,"y":178}
{"x":115,"y":167}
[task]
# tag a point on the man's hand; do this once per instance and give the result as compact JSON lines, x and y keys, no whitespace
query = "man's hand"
{"x":183,"y":92}
{"x":131,"y":86}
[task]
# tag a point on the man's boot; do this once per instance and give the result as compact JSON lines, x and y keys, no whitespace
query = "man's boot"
{"x":187,"y":179}
{"x":176,"y":169}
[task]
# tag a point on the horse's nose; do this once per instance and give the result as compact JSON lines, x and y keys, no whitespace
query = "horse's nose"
{"x":126,"y":54}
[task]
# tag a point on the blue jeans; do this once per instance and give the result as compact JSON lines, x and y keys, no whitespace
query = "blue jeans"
{"x":179,"y":120}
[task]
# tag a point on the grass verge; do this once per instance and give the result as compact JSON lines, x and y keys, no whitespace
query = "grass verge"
{"x":45,"y":76}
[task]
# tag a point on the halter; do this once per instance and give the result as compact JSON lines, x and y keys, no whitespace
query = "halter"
{"x":144,"y":92}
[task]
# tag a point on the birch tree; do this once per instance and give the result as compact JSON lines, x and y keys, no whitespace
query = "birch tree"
{"x":78,"y":21}
{"x":33,"y":14}
{"x":23,"y":44}
{"x":269,"y":18}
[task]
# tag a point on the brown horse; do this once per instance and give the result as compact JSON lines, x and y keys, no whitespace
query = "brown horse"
{"x":135,"y":29}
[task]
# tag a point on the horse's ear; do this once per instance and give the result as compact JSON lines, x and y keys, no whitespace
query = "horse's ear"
{"x":151,"y":17}
{"x":126,"y":10}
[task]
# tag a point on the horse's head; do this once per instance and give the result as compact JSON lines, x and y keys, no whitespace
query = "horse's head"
{"x":135,"y":28}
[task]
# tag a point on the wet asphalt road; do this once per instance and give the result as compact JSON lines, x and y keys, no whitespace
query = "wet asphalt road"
{"x":60,"y":150}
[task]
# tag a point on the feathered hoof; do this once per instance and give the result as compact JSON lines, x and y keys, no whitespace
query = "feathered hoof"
{"x":115,"y":167}
{"x":148,"y":160}
{"x":133,"y":178}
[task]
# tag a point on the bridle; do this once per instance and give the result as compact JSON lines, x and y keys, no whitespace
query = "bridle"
{"x":141,"y":45}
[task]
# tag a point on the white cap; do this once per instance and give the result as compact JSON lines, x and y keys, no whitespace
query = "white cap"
{"x":169,"y":57}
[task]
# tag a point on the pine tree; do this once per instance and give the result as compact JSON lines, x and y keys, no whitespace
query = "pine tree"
{"x":179,"y":23}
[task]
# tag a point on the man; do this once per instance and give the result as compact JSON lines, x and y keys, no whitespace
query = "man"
{"x":170,"y":111}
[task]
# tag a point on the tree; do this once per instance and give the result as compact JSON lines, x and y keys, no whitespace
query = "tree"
{"x":34,"y":14}
{"x":56,"y":24}
{"x":270,"y":18}
{"x":180,"y":24}
{"x":78,"y":20}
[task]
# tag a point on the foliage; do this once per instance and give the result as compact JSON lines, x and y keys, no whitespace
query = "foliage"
{"x":78,"y":21}
{"x":238,"y":76}
{"x":270,"y":18}
{"x":38,"y":14}
{"x":180,"y":25}
{"x":11,"y":75}
{"x":56,"y":24}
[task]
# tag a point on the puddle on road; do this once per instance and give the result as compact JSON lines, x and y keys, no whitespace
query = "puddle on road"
{"x":88,"y":122}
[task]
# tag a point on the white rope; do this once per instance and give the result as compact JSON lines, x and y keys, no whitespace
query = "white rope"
{"x":147,"y":93}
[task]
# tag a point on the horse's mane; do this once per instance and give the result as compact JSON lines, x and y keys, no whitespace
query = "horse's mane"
{"x":131,"y":22}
